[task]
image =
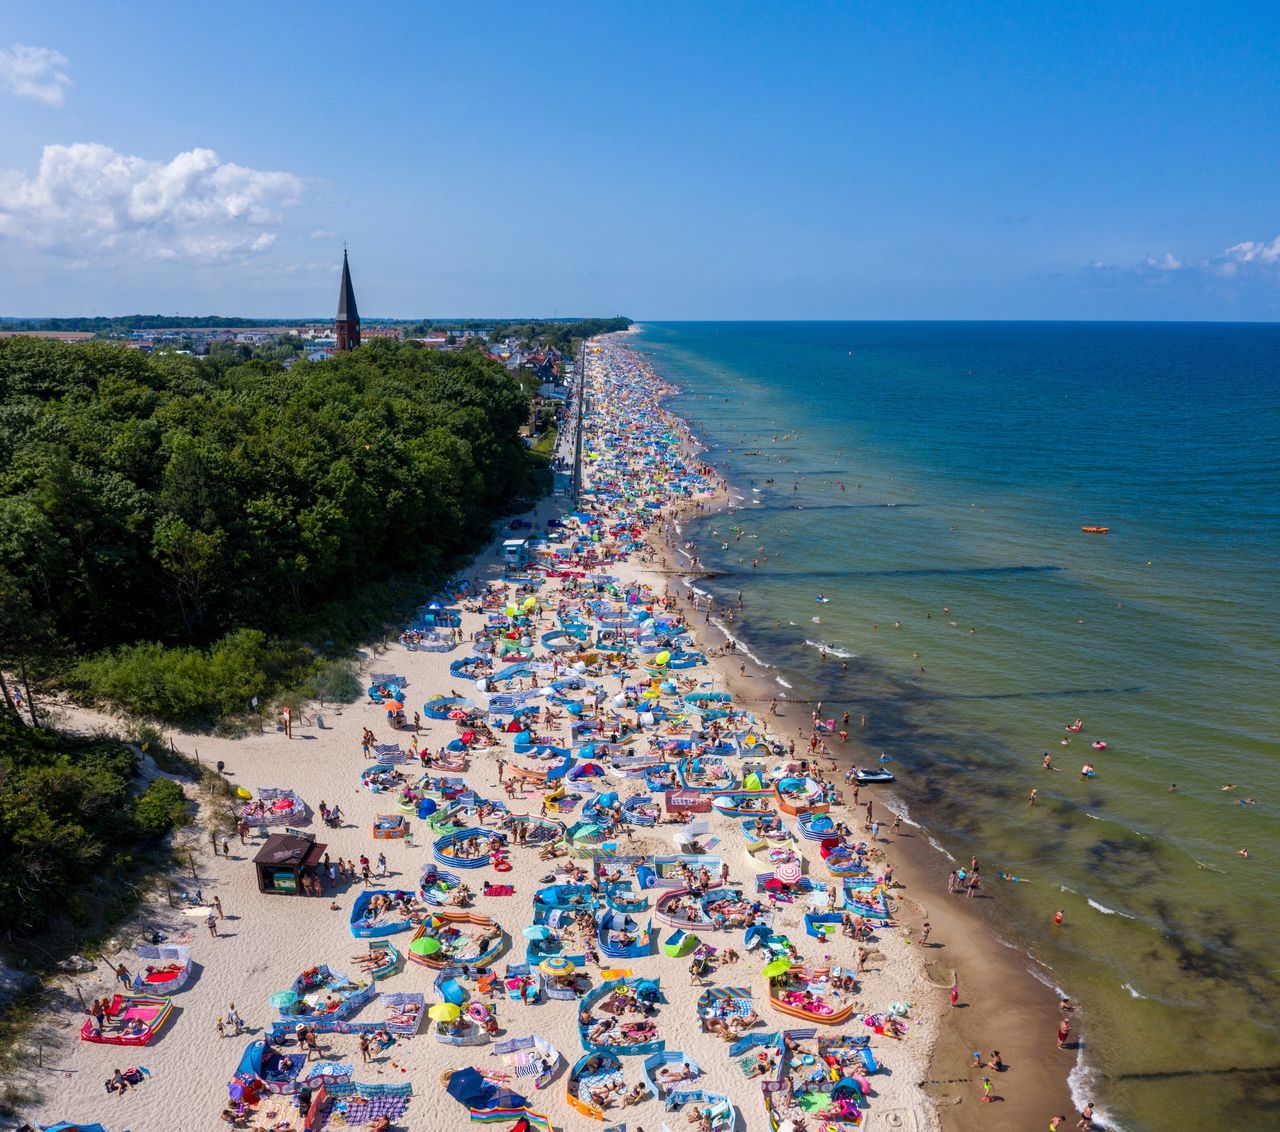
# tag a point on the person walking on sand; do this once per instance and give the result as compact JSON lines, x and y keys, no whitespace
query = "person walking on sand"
{"x":925,"y":929}
{"x":287,"y":716}
{"x":122,"y":973}
{"x":1064,"y":1032}
{"x":986,"y":1089}
{"x":211,"y":922}
{"x":226,"y":848}
{"x":955,"y":993}
{"x":217,"y":904}
{"x":234,"y":1019}
{"x":382,"y":864}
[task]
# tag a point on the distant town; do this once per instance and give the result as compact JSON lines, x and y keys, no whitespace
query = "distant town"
{"x":516,"y":346}
{"x":538,"y":348}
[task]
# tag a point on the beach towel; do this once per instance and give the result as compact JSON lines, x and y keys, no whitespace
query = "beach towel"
{"x":500,"y":890}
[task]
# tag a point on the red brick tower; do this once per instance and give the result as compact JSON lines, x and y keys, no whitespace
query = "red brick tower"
{"x":348,"y":320}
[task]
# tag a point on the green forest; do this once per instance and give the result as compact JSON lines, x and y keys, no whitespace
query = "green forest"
{"x":176,"y":534}
{"x":73,"y":827}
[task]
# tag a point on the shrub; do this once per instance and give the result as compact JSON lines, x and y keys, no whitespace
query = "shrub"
{"x":160,"y":808}
{"x":332,"y":681}
{"x":186,"y":685}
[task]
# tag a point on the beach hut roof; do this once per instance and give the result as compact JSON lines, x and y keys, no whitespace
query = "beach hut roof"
{"x":285,"y":849}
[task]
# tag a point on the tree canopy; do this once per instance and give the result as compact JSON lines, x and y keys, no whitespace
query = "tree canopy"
{"x":160,"y":498}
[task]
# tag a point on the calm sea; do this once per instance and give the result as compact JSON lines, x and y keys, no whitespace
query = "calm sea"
{"x":903,"y":469}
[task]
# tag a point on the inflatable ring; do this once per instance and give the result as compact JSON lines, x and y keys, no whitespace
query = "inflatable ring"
{"x":502,"y":866}
{"x":242,"y":792}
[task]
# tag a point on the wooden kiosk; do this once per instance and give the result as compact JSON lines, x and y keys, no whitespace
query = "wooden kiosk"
{"x":282,"y":860}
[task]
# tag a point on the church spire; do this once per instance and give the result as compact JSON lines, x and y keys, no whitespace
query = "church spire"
{"x":348,"y":320}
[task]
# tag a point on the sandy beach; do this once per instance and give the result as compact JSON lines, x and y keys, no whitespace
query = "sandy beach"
{"x":264,"y":941}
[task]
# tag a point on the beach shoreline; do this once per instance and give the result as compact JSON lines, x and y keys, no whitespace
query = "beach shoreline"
{"x":1002,"y":1004}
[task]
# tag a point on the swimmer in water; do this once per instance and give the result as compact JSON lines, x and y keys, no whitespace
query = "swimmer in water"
{"x":1242,"y":853}
{"x":1047,"y":761}
{"x":1229,"y":786}
{"x":1087,"y":770}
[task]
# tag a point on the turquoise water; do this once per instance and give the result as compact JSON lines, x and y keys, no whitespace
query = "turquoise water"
{"x":970,"y":455}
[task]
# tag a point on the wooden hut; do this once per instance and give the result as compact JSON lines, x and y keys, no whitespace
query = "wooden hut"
{"x":282,"y":860}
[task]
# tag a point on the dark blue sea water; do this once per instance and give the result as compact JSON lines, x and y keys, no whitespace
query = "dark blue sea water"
{"x":903,"y":469}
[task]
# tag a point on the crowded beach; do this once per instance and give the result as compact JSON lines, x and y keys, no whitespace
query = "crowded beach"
{"x":558,"y":870}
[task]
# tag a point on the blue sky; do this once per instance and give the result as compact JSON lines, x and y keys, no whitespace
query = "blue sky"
{"x":945,"y":160}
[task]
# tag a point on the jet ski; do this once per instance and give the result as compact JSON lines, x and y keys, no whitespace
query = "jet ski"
{"x":870,"y":777}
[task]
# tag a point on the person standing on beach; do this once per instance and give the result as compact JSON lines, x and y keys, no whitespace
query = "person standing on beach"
{"x":1086,"y":1118}
{"x":287,"y":716}
{"x":953,"y":879}
{"x":211,"y":922}
{"x":955,"y":994}
{"x":217,"y":903}
{"x":1064,"y":1032}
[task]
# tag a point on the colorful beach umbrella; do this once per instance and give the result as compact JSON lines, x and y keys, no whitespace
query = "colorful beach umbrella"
{"x":444,"y":1012}
{"x":776,"y":967}
{"x":425,"y":945}
{"x":789,"y":872}
{"x":537,"y":931}
{"x":556,"y":965}
{"x":282,"y":1000}
{"x":393,"y":705}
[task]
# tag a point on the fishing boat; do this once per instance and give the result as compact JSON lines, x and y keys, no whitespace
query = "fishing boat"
{"x":1095,"y":530}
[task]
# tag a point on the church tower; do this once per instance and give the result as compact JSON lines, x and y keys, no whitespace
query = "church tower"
{"x":348,"y":320}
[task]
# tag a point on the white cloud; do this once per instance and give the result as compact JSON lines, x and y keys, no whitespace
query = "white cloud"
{"x":1252,"y":251}
{"x":323,"y":234}
{"x":87,"y":197}
{"x":39,"y":73}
